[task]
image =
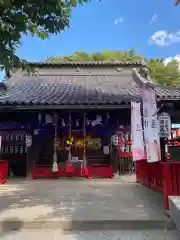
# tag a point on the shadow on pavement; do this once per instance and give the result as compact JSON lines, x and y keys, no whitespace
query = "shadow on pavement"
{"x":43,"y":204}
{"x":9,"y":225}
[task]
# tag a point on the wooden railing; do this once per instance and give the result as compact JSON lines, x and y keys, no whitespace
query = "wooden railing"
{"x":161,"y":176}
{"x":3,"y":171}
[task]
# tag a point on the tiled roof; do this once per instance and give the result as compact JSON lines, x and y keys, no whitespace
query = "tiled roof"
{"x":162,"y":92}
{"x":70,"y":90}
{"x":57,"y":88}
{"x":86,"y":63}
{"x":167,"y":93}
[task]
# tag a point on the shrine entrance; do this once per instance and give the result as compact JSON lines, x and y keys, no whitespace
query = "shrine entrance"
{"x":84,"y":138}
{"x":91,"y":131}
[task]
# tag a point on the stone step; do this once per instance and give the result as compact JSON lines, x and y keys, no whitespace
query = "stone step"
{"x":73,"y":225}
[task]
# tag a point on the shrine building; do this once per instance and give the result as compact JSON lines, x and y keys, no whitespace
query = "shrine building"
{"x":86,"y":101}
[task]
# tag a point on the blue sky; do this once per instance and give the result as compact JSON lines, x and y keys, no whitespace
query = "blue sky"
{"x":151,"y":26}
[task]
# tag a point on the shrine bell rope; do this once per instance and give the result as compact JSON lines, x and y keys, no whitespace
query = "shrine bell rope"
{"x":84,"y":145}
{"x":55,"y":167}
{"x":70,"y":125}
{"x":70,"y":134}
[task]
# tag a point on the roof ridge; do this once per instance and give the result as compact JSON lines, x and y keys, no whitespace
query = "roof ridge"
{"x":87,"y":63}
{"x":140,"y":80}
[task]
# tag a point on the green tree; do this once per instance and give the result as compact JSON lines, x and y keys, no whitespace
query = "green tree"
{"x":105,"y":55}
{"x":37,"y":17}
{"x":164,"y":74}
{"x":157,"y":70}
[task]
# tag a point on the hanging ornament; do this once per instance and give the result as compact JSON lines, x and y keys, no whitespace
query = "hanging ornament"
{"x":107,"y":117}
{"x":77,"y":123}
{"x":63,"y":124}
{"x":36,"y":132}
{"x":97,"y":121}
{"x":55,"y":167}
{"x":48,"y":118}
{"x":88,"y":122}
{"x":39,"y":118}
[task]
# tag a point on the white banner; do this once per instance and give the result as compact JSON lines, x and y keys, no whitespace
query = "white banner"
{"x":164,"y":125}
{"x":151,"y":126}
{"x":137,"y":133}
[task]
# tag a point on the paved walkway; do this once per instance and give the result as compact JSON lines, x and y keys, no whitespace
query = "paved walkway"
{"x":80,"y":204}
{"x":93,"y":235}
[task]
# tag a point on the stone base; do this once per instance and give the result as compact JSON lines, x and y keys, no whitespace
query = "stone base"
{"x":174,"y":207}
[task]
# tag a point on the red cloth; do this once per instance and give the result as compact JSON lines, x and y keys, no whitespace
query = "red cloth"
{"x":69,"y":167}
{"x":84,"y":171}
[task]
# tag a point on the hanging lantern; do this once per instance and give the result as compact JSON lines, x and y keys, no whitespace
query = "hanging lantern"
{"x":48,"y":118}
{"x":39,"y":118}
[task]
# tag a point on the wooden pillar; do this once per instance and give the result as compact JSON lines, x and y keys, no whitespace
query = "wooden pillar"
{"x":163,"y":142}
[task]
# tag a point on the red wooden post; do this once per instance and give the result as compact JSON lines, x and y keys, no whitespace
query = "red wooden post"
{"x":167,"y":183}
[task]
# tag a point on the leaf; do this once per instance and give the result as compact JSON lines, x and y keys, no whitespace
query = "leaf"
{"x":40,"y":18}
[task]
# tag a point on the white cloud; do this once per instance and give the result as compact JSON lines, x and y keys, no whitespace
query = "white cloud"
{"x":118,"y":21}
{"x":153,"y":19}
{"x":164,"y":38}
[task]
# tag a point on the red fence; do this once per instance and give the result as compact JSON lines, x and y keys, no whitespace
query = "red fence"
{"x":100,"y":170}
{"x":92,"y":171}
{"x":3,"y":171}
{"x":160,"y":176}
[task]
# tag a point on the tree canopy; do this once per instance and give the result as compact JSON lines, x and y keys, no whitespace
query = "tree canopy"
{"x":37,"y":17}
{"x":164,"y":74}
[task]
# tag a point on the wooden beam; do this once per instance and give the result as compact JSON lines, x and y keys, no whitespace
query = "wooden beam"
{"x":63,"y":107}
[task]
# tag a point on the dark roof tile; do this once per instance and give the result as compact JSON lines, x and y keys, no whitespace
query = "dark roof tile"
{"x":70,"y":90}
{"x":55,"y":87}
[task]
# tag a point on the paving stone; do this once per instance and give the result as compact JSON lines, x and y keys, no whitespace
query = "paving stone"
{"x":93,"y":235}
{"x":54,"y":201}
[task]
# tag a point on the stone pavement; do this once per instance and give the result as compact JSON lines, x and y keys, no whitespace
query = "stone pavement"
{"x":80,"y":205}
{"x":93,"y":235}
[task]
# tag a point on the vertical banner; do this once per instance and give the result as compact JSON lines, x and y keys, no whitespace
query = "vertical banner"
{"x":151,"y":126}
{"x":164,"y":125}
{"x":137,"y":133}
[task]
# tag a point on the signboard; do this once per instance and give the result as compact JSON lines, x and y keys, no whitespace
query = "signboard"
{"x":137,"y":132}
{"x":28,"y":140}
{"x":164,"y":125}
{"x":151,"y":129}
